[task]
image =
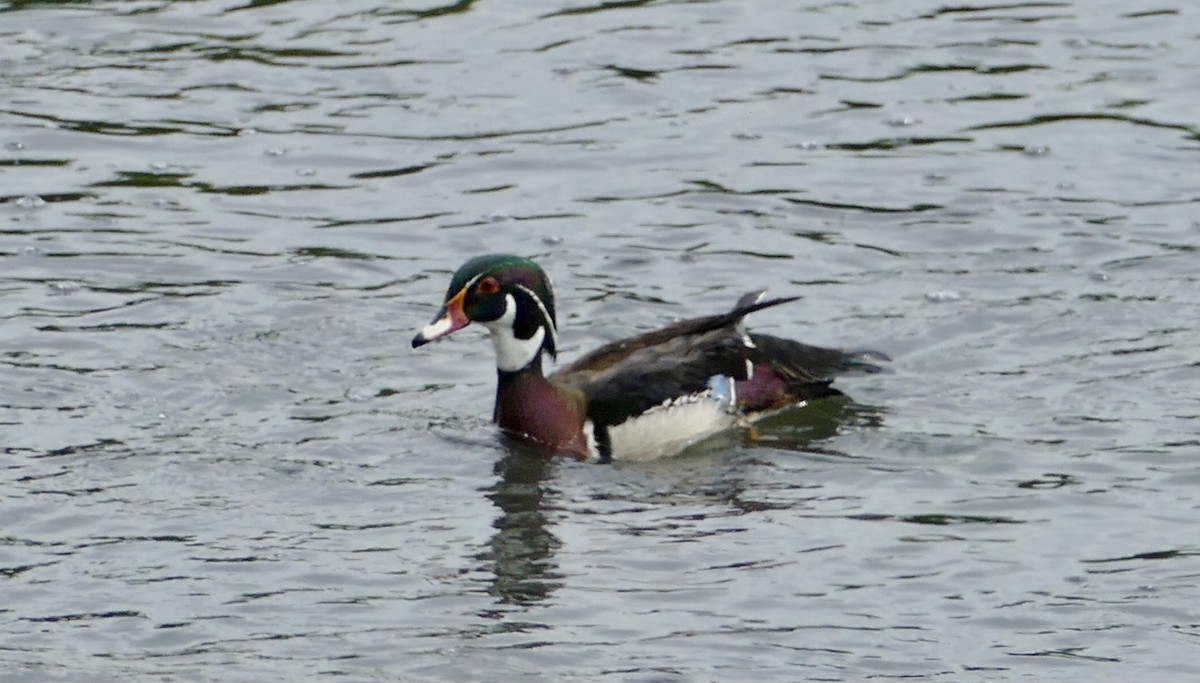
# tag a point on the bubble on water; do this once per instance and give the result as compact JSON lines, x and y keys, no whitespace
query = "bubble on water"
{"x":590,"y":147}
{"x":902,"y":120}
{"x":1065,"y":185}
{"x":811,"y":145}
{"x":275,"y":152}
{"x":306,"y":172}
{"x":246,"y":132}
{"x":63,"y":287}
{"x":942,"y":296}
{"x":1100,"y":276}
{"x":14,"y":146}
{"x":29,"y":201}
{"x":358,"y":394}
{"x":497,"y":217}
{"x":552,"y":240}
{"x":1036,"y":150}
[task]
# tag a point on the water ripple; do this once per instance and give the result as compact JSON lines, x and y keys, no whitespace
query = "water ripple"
{"x":221,"y":223}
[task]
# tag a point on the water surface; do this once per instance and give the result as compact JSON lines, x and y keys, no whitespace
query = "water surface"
{"x":221,"y":223}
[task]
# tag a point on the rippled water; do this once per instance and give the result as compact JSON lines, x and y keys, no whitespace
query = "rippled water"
{"x":222,"y":223}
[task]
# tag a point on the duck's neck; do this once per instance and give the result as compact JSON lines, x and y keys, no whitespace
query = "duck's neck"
{"x":530,"y":406}
{"x":517,"y":389}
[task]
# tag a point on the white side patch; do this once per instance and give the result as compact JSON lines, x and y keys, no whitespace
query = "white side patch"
{"x":667,"y":428}
{"x":512,"y":353}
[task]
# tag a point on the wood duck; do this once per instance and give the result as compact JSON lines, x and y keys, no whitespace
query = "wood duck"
{"x":638,"y":398}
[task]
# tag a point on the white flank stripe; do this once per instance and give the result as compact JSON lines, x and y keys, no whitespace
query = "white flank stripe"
{"x":589,"y":433}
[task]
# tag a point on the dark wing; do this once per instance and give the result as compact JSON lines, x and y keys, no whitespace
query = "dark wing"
{"x":629,"y":377}
{"x":788,"y":372}
{"x":653,"y":375}
{"x":618,"y":352}
{"x":798,"y":363}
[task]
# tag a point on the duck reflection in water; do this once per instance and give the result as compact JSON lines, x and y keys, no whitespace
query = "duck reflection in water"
{"x":521,"y":552}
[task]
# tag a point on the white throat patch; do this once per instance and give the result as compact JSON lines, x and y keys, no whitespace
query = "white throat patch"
{"x":512,"y":353}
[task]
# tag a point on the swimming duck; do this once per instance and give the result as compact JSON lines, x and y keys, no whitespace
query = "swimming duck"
{"x":639,"y":398}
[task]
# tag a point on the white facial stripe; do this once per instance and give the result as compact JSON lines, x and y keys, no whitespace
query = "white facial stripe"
{"x":545,"y":314}
{"x":512,"y":353}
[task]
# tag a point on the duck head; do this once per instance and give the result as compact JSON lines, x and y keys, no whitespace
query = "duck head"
{"x":510,"y":296}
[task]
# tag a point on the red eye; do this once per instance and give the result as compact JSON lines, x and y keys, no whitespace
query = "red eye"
{"x":488,"y":285}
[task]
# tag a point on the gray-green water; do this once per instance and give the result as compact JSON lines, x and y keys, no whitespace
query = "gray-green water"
{"x":222,"y":222}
